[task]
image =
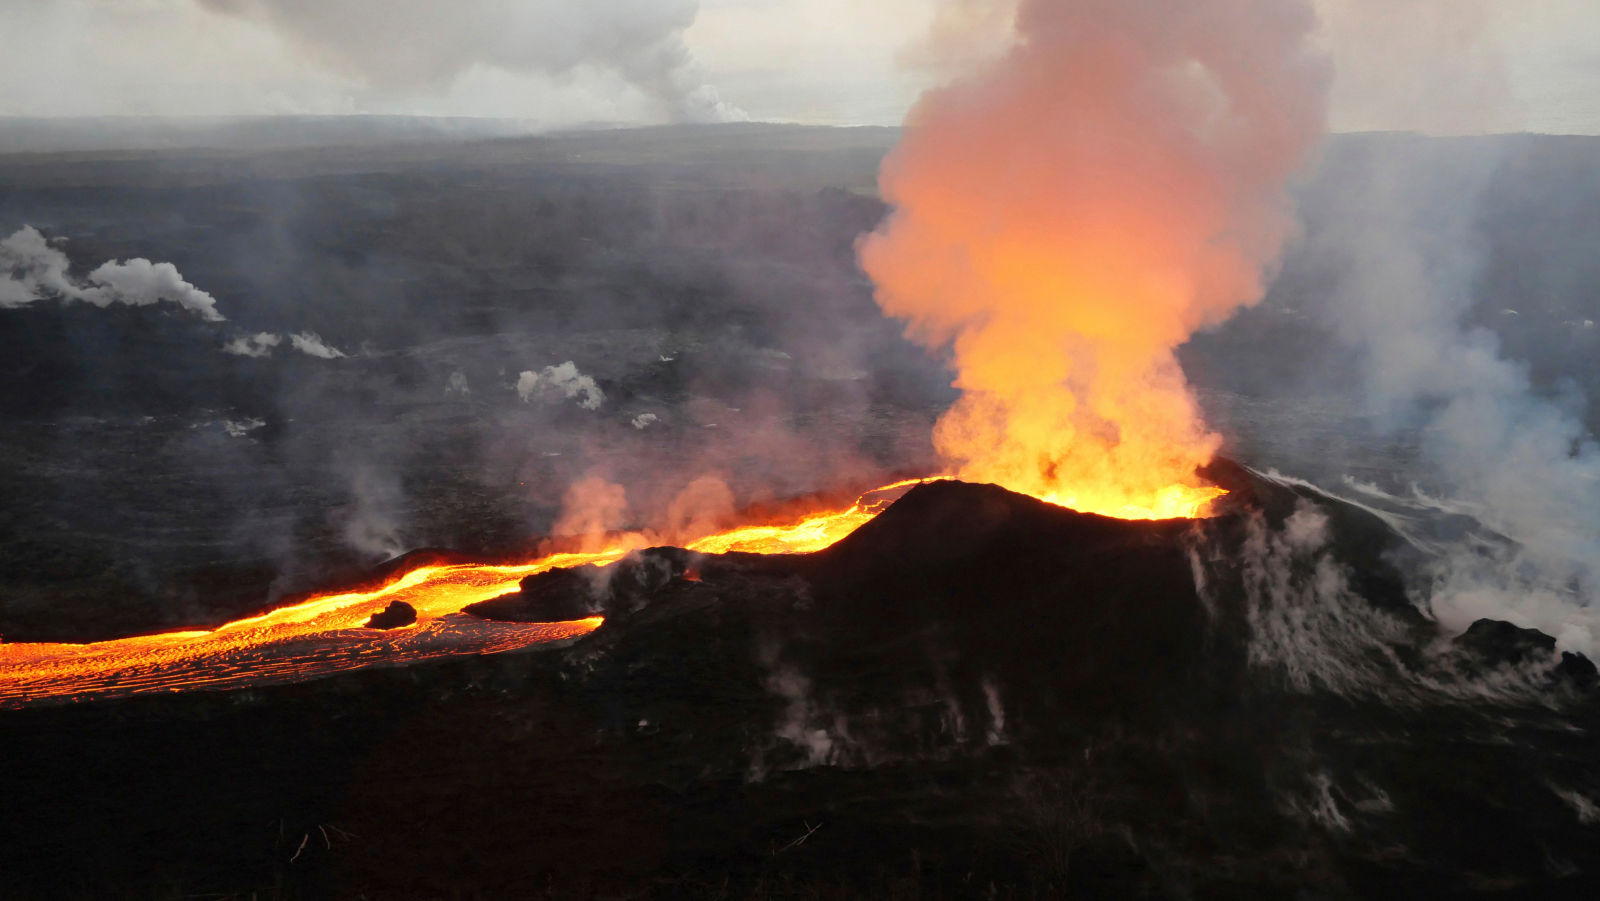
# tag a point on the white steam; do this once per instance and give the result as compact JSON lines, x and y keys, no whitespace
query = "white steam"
{"x":311,"y":344}
{"x":260,"y":344}
{"x":412,"y":46}
{"x":1587,"y":811}
{"x":32,"y":270}
{"x":372,"y":519}
{"x":804,"y":723}
{"x":1521,"y":461}
{"x":1305,"y":621}
{"x":1311,"y":628}
{"x":572,"y":384}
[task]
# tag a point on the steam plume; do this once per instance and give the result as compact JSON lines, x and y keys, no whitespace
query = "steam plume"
{"x":410,"y":45}
{"x":591,"y":508}
{"x":564,"y":378}
{"x":702,"y":507}
{"x":31,"y":270}
{"x":1069,"y":214}
{"x":260,"y":344}
{"x":1521,"y":462}
{"x":311,"y":344}
{"x":371,"y":523}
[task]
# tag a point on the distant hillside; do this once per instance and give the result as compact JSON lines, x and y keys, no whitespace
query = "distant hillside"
{"x":122,"y":133}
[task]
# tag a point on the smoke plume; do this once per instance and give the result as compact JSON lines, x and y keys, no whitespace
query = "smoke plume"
{"x":262,"y":344}
{"x":1069,"y":214}
{"x":258,"y":345}
{"x":32,"y":270}
{"x":312,"y":345}
{"x":592,"y":508}
{"x":372,"y":519}
{"x":564,"y":378}
{"x":1404,"y":264}
{"x":416,"y":45}
{"x":704,"y":506}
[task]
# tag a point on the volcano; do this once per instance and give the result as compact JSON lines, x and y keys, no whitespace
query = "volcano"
{"x":973,"y":693}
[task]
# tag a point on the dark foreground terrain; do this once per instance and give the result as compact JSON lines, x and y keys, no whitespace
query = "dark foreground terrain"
{"x":974,"y":695}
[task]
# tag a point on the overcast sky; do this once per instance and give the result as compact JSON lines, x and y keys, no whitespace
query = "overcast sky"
{"x":1451,"y":66}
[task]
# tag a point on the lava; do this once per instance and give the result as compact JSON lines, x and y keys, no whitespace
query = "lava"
{"x":326,"y":633}
{"x":1173,"y":501}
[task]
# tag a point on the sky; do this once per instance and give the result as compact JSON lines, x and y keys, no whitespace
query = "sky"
{"x":1438,"y":66}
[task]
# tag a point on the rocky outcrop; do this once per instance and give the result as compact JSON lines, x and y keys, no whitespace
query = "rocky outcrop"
{"x":395,"y":616}
{"x":560,"y":595}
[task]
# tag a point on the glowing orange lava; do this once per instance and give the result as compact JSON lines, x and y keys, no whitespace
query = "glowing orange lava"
{"x":326,"y":633}
{"x":1174,"y":501}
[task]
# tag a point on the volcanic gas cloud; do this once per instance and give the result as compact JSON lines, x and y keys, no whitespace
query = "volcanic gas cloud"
{"x":1069,"y":214}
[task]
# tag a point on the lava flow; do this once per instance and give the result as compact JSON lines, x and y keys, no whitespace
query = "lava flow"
{"x":326,"y":633}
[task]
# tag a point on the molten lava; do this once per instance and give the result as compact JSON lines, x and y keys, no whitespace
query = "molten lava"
{"x":325,"y":633}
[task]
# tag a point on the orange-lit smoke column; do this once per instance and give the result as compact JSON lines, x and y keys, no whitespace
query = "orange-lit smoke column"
{"x":1067,"y":216}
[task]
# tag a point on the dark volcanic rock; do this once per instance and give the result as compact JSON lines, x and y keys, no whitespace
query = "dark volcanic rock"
{"x":555,"y":596}
{"x":1108,"y":708}
{"x":394,"y":616}
{"x":1493,"y":643}
{"x":1578,"y":668}
{"x":1498,"y":642}
{"x":975,"y":694}
{"x":560,"y":595}
{"x":991,"y":583}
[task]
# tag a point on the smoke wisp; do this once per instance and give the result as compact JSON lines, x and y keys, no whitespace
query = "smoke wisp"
{"x":312,"y":345}
{"x":261,"y":344}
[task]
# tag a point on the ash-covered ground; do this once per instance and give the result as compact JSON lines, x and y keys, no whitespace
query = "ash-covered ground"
{"x":427,"y":344}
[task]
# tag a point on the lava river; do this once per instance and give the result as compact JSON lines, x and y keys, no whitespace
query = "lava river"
{"x":326,"y":633}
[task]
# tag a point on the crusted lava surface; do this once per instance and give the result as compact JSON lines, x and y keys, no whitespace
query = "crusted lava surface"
{"x":975,"y":694}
